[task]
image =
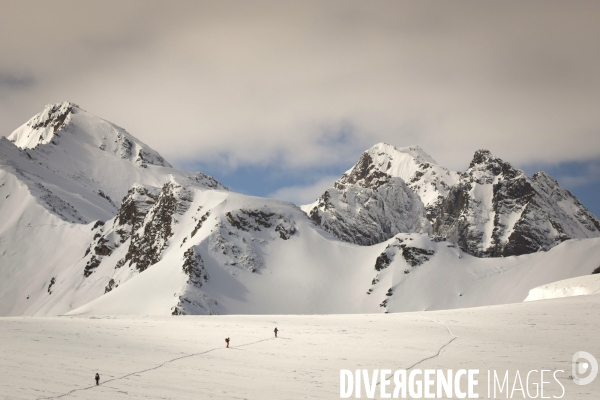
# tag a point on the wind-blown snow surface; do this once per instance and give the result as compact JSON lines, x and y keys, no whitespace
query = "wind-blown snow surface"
{"x":185,"y":358}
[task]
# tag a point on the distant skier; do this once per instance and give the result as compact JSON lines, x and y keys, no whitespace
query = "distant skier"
{"x":227,"y":341}
{"x":97,"y":379}
{"x":276,"y":330}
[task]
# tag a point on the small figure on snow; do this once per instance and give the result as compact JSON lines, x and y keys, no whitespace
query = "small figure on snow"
{"x":227,"y":341}
{"x":276,"y":330}
{"x":97,"y":379}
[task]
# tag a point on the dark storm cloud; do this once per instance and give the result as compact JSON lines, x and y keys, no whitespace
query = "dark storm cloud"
{"x":266,"y":83}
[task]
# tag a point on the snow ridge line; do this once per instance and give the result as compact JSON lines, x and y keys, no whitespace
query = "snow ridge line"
{"x":454,"y":337}
{"x":145,"y":370}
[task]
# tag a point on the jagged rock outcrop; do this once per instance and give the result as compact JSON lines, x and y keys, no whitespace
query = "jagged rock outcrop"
{"x":111,"y":285}
{"x":497,"y":211}
{"x":237,"y":240}
{"x":389,"y":190}
{"x":105,"y":241}
{"x":151,"y":238}
{"x":43,"y":127}
{"x":193,"y":267}
{"x":403,"y":251}
{"x":193,"y":301}
{"x":491,"y":210}
{"x":133,"y":210}
{"x":194,"y":304}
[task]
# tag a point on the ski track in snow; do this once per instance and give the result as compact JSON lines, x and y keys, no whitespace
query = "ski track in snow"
{"x":148,"y":369}
{"x":454,"y":337}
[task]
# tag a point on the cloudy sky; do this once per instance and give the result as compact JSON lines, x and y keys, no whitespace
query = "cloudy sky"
{"x":279,"y":98}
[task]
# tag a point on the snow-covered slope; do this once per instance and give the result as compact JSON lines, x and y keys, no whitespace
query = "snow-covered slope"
{"x":580,"y":286}
{"x":59,"y":172}
{"x":491,"y":210}
{"x":311,"y":274}
{"x":79,"y":166}
{"x":92,"y":221}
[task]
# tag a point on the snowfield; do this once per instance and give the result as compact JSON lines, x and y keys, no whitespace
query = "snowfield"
{"x":582,"y":285}
{"x":184,"y":357}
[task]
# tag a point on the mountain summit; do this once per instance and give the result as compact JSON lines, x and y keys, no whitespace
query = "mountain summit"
{"x":80,"y":166}
{"x":71,"y":126}
{"x":491,"y":210}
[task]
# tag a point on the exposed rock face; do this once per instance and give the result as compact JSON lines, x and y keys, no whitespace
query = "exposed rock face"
{"x":133,"y":210}
{"x":42,"y":128}
{"x":111,"y":285}
{"x":372,"y":202}
{"x":102,"y":246}
{"x":497,"y":211}
{"x":491,"y":210}
{"x":421,"y":173}
{"x":194,"y":301}
{"x":52,"y":282}
{"x":370,"y":210}
{"x":207,"y":181}
{"x":91,"y":265}
{"x":414,"y":256}
{"x":200,"y":222}
{"x":193,"y":267}
{"x":237,"y":241}
{"x":194,"y":304}
{"x":151,"y":238}
{"x":411,"y":256}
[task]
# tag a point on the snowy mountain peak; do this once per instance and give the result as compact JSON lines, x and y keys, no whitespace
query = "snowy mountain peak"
{"x":497,"y":210}
{"x":481,"y":156}
{"x":397,"y":162}
{"x":490,"y":210}
{"x":86,"y":130}
{"x":407,"y":174}
{"x":485,"y":168}
{"x":79,"y":166}
{"x":41,"y":128}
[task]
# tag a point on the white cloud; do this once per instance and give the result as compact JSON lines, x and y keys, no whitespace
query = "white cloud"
{"x":271,"y":83}
{"x":304,"y":194}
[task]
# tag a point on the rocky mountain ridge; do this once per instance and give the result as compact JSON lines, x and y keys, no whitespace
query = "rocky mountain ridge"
{"x":490,"y":210}
{"x":93,"y":225}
